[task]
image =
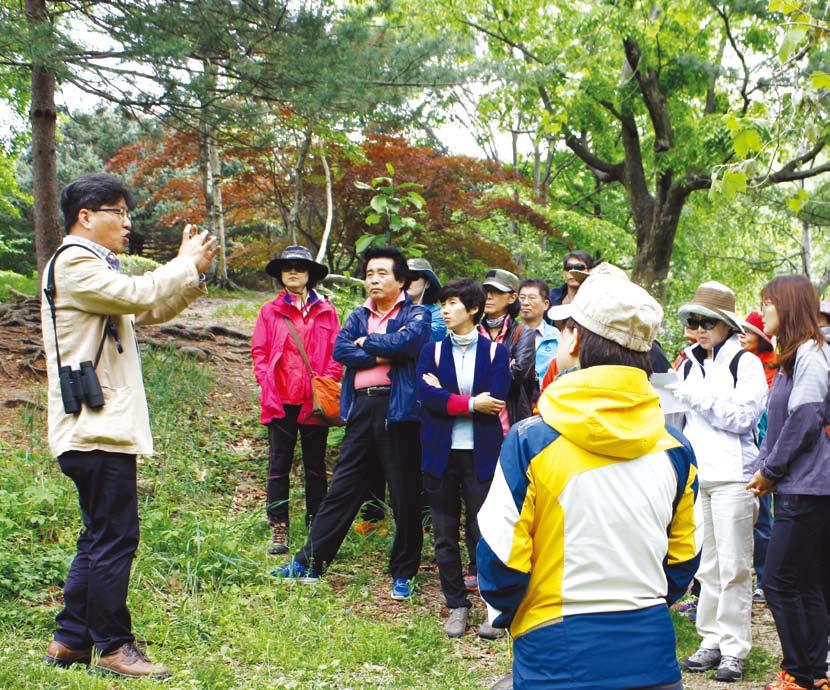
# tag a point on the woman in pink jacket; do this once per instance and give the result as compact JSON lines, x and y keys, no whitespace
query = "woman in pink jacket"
{"x":285,"y":381}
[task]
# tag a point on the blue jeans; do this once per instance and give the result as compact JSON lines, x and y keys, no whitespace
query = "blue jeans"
{"x":761,"y":535}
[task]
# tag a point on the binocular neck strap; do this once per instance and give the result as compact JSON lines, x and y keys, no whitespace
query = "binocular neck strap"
{"x":49,"y":291}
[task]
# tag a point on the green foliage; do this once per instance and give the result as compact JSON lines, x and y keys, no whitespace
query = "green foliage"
{"x":134,"y":265}
{"x":396,"y":209}
{"x":25,"y":284}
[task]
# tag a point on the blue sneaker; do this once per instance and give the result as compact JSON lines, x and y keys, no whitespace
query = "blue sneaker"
{"x":401,"y":589}
{"x":297,"y":572}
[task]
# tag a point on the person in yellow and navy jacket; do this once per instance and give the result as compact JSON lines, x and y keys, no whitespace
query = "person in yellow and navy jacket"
{"x":592,"y":527}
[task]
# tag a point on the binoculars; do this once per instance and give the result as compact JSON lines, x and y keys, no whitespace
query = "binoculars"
{"x":80,"y":387}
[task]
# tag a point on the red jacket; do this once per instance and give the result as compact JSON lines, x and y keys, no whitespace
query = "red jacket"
{"x":272,"y":348}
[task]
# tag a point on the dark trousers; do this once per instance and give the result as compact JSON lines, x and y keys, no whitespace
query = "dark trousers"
{"x":282,"y":438}
{"x":793,"y":584}
{"x":95,"y":594}
{"x":369,"y":439}
{"x":761,"y":535}
{"x":374,"y":509}
{"x":445,"y":495}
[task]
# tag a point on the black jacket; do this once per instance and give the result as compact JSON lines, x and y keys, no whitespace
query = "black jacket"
{"x":520,"y":342}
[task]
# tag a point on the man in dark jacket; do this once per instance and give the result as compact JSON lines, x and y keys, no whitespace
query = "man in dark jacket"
{"x":379,"y":344}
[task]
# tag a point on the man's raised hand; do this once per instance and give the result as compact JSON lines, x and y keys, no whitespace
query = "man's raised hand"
{"x":198,"y":247}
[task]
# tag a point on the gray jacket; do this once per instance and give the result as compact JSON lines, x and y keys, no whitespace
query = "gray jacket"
{"x":796,"y":450}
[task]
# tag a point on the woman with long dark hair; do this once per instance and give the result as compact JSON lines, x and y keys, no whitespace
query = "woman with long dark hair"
{"x":795,"y":463}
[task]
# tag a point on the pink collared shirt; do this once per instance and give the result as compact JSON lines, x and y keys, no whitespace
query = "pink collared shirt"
{"x":378,"y":375}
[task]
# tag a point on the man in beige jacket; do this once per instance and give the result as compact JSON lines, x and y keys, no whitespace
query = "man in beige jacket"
{"x":96,"y":446}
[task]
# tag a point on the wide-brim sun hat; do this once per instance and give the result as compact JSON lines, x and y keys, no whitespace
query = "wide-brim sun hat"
{"x":754,"y":323}
{"x":715,"y":301}
{"x":613,"y":307}
{"x":297,"y":254}
{"x":423,"y":268}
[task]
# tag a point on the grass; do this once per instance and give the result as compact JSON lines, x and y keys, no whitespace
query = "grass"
{"x":25,"y":284}
{"x":201,"y":597}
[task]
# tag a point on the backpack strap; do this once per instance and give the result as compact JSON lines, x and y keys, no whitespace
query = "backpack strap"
{"x":517,"y":333}
{"x":733,"y":366}
{"x":687,"y":368}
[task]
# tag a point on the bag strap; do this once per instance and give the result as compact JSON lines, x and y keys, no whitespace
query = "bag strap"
{"x":49,"y":291}
{"x":517,"y":333}
{"x":733,"y":367}
{"x":295,"y":336}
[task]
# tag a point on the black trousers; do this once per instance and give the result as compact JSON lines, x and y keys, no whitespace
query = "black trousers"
{"x":369,"y":439}
{"x":445,"y":495}
{"x":793,"y":584}
{"x":95,"y":594}
{"x":282,"y":438}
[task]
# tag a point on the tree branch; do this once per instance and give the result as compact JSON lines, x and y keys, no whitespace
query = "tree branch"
{"x":612,"y":171}
{"x":652,"y":95}
{"x":734,"y":44}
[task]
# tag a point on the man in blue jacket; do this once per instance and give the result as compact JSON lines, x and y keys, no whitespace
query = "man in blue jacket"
{"x":379,"y":344}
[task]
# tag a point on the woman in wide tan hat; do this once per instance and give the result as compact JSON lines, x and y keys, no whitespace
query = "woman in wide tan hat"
{"x":726,"y":391}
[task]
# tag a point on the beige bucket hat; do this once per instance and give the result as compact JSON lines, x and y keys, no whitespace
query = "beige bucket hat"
{"x":611,"y":306}
{"x":715,"y":300}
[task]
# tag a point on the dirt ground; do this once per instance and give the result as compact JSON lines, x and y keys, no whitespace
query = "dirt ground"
{"x":22,"y":382}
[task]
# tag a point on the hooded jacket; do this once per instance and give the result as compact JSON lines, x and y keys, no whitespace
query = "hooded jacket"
{"x":796,"y":450}
{"x":591,"y":527}
{"x":272,"y":347}
{"x":725,"y":411}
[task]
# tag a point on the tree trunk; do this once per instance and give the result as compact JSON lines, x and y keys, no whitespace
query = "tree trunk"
{"x":655,"y":241}
{"x":294,"y":215}
{"x":44,"y":166}
{"x":219,"y":218}
{"x":321,"y":254}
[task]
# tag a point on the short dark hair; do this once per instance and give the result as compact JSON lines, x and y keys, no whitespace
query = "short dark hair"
{"x":92,"y":191}
{"x":583,"y":256}
{"x":399,"y":268}
{"x":539,"y":284}
{"x":468,"y":291}
{"x":594,"y":351}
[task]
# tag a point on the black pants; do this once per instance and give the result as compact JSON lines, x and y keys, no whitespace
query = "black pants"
{"x":282,"y":438}
{"x":793,"y":584}
{"x":445,"y":496}
{"x":370,"y":439}
{"x":95,"y":594}
{"x":374,"y":509}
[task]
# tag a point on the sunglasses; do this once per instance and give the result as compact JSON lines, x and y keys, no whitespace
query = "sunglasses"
{"x":575,"y":267}
{"x":704,"y":322}
{"x":296,"y":266}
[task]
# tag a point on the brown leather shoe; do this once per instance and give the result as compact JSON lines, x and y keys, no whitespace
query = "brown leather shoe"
{"x":129,"y":661}
{"x":58,"y":654}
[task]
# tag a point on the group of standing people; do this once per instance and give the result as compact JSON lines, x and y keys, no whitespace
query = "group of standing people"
{"x":523,"y":411}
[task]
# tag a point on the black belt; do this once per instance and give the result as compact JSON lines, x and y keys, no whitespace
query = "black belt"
{"x":373,"y":391}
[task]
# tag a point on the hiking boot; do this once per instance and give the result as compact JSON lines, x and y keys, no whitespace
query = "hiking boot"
{"x":294,"y":571}
{"x":758,"y":596}
{"x":58,"y":654}
{"x":401,"y":589}
{"x":730,"y":669}
{"x":702,"y":660}
{"x":471,"y":583}
{"x":279,"y":539}
{"x":784,"y":682}
{"x":456,"y":624}
{"x":488,"y":632}
{"x":128,"y":661}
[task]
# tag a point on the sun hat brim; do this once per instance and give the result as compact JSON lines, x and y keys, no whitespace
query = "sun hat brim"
{"x":724,"y":315}
{"x":316,"y":272}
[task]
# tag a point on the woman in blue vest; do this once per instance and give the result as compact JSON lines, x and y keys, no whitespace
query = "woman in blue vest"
{"x":462,"y":382}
